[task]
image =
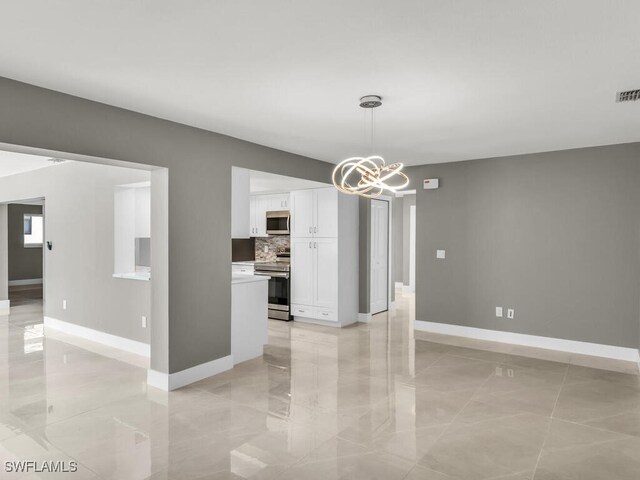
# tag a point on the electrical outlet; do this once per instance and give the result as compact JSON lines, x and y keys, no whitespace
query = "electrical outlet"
{"x":64,"y":304}
{"x":144,"y":322}
{"x":441,"y":254}
{"x":510,"y":313}
{"x":498,"y":311}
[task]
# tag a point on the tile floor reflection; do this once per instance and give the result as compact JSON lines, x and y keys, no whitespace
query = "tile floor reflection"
{"x":365,"y":402}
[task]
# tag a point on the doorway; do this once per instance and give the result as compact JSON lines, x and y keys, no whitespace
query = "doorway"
{"x":379,"y":287}
{"x":25,"y":239}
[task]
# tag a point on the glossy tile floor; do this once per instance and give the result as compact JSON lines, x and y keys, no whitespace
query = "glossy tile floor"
{"x":366,"y":402}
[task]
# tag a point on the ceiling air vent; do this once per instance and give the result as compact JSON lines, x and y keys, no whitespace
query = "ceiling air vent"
{"x":628,"y":96}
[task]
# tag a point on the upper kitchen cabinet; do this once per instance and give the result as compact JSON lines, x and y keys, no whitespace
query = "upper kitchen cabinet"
{"x":314,"y":213}
{"x":279,"y":201}
{"x":259,"y":206}
{"x":240,"y":224}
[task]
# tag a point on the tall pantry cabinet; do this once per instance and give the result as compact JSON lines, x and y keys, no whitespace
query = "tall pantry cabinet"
{"x":324,"y":256}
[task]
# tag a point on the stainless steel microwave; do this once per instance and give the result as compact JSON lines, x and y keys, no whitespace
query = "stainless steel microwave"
{"x":278,"y":222}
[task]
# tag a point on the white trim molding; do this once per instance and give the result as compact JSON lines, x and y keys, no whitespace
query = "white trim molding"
{"x":364,"y":317}
{"x":398,"y":284}
{"x":549,"y":343}
{"x":27,"y":281}
{"x":173,"y":381}
{"x":407,"y":289}
{"x":126,"y":344}
{"x":5,"y":307}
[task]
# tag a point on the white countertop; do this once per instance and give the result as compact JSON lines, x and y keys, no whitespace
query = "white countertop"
{"x":241,"y":278}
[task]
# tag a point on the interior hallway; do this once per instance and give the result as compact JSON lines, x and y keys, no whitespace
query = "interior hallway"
{"x":366,"y":402}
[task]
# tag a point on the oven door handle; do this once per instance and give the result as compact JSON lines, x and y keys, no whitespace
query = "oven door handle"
{"x":272,"y":274}
{"x":289,"y":223}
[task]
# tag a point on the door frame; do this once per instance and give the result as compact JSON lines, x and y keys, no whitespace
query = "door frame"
{"x":390,"y":304}
{"x":413,"y":223}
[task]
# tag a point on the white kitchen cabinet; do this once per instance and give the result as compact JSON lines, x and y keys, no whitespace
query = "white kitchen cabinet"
{"x":314,"y":213}
{"x":324,"y":256}
{"x":314,"y":278}
{"x":303,"y":271}
{"x":325,"y":289}
{"x":279,"y":201}
{"x":240,"y":211}
{"x":326,"y":212}
{"x":240,"y":269}
{"x":249,"y":317}
{"x":302,"y":216}
{"x":258,"y":206}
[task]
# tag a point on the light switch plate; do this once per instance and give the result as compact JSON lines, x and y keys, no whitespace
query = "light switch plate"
{"x":440,"y":254}
{"x":498,"y":311}
{"x":144,"y":322}
{"x":510,"y":313}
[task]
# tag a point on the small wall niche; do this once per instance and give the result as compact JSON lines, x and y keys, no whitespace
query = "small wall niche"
{"x":132,"y":231}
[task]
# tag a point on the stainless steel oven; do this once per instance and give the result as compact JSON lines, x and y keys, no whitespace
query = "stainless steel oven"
{"x":278,"y":222}
{"x":279,"y":288}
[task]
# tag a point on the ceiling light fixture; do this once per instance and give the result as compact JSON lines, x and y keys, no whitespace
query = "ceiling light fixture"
{"x":369,"y":176}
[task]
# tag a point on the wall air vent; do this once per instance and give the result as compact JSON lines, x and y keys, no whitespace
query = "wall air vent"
{"x":628,"y":96}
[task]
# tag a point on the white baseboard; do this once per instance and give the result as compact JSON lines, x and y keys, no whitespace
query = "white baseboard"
{"x":559,"y":344}
{"x":126,"y":344}
{"x":364,"y":317}
{"x":173,"y":381}
{"x":28,"y":281}
{"x":5,"y":307}
{"x":407,"y":289}
{"x":398,"y":284}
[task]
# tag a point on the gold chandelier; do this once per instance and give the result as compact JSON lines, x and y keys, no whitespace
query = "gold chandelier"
{"x":369,"y":176}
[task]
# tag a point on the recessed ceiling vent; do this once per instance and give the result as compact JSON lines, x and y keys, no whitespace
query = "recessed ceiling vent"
{"x":628,"y":96}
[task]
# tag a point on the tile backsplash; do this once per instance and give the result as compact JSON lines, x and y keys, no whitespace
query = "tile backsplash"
{"x":270,"y":244}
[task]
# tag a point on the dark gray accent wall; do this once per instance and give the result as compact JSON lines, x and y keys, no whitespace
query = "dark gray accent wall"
{"x":554,"y":235}
{"x":397,"y":239}
{"x":364,"y":212}
{"x":199,"y":164}
{"x":24,"y":263}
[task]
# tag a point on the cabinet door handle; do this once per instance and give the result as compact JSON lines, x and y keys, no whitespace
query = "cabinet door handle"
{"x":310,"y":231}
{"x":310,"y":244}
{"x":315,"y":229}
{"x":315,"y":245}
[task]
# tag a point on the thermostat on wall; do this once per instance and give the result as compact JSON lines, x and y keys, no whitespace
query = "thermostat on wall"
{"x":430,"y":183}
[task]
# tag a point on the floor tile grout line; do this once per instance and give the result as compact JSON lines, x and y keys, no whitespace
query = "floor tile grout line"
{"x":535,"y":469}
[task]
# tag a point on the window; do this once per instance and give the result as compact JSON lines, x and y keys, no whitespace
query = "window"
{"x":33,"y":230}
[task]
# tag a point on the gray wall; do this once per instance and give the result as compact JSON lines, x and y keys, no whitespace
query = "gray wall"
{"x":199,"y":164}
{"x":397,"y":239}
{"x":408,"y":201}
{"x":79,"y":223}
{"x":24,"y":263}
{"x":554,"y":235}
{"x":364,"y":232}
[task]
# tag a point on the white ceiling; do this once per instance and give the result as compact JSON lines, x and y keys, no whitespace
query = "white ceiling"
{"x":461,"y":79}
{"x":262,"y":182}
{"x":13,"y":163}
